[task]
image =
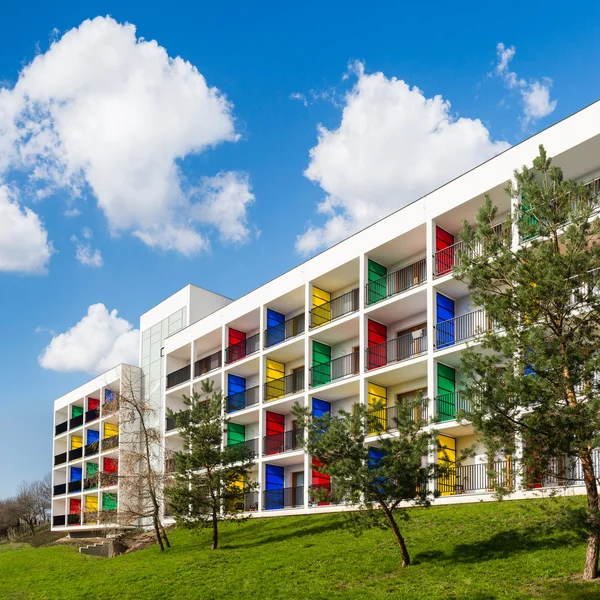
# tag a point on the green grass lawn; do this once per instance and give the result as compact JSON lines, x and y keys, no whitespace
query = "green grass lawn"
{"x":476,"y":552}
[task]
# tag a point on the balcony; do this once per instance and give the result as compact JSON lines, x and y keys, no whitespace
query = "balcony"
{"x":284,"y":386}
{"x":91,"y":449}
{"x":242,"y":349}
{"x":59,"y":520}
{"x":110,"y":442}
{"x":59,"y":489}
{"x":178,"y":377}
{"x":76,"y":422}
{"x":388,"y":415}
{"x":321,"y":494}
{"x":91,"y":483}
{"x":90,"y":518}
{"x":60,"y":459}
{"x":251,"y":502}
{"x":252,"y":445}
{"x":61,"y":428}
{"x":242,"y":400}
{"x":92,"y":415}
{"x":109,"y":478}
{"x":75,"y":454}
{"x":462,"y":328}
{"x":283,"y":442}
{"x":448,"y":405}
{"x":74,"y":519}
{"x":338,"y":307}
{"x":208,"y":364}
{"x":397,"y":282}
{"x":74,"y":486}
{"x":110,"y":407}
{"x":477,"y":478}
{"x":284,"y":331}
{"x":171,"y":422}
{"x":291,"y":497}
{"x":396,"y":350}
{"x":338,"y":368}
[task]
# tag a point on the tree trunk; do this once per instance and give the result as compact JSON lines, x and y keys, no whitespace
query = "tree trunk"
{"x":164,"y":534}
{"x":398,"y":536}
{"x":590,"y":570}
{"x":215,"y":530}
{"x":157,"y":532}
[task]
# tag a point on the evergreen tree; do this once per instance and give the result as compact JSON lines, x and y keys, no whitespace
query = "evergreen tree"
{"x":210,"y":481}
{"x":377,"y":477}
{"x":533,"y":389}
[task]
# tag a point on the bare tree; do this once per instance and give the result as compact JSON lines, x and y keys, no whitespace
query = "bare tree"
{"x":42,"y":489}
{"x":27,"y":505}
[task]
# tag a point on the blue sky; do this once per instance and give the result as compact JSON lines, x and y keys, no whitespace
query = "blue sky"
{"x":238,"y":198}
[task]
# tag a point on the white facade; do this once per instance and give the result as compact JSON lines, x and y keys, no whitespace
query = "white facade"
{"x":402,"y":310}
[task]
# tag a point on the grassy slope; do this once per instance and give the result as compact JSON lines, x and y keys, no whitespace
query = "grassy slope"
{"x":475,"y":552}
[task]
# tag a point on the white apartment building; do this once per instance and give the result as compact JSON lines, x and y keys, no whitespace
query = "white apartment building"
{"x":376,"y":317}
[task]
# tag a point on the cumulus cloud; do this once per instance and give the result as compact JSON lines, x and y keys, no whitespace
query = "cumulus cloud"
{"x":535,"y":95}
{"x":392,"y":146}
{"x":100,"y":341}
{"x":84,"y":253}
{"x":105,"y":112}
{"x":24,"y":245}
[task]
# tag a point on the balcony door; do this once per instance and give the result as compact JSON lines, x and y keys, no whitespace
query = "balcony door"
{"x":298,"y":488}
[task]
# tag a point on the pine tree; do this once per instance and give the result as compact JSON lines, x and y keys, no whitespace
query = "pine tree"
{"x":532,"y":383}
{"x":210,"y":481}
{"x":376,"y":477}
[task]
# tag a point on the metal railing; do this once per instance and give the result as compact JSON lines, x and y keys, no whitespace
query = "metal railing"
{"x":344,"y":366}
{"x":252,"y":445}
{"x":394,"y":283}
{"x":180,"y":376}
{"x":334,"y":309}
{"x":59,"y":489}
{"x":321,"y":494}
{"x":92,"y":415}
{"x":241,"y":400}
{"x":92,"y":448}
{"x":251,"y":502}
{"x":388,"y":415}
{"x":284,"y":331}
{"x":477,"y":478}
{"x":208,"y":364}
{"x":285,"y":441}
{"x":76,"y":454}
{"x":110,"y":442}
{"x":76,"y":421}
{"x":448,"y":405}
{"x":242,"y":349}
{"x":74,"y":519}
{"x":171,"y":422}
{"x":59,"y":520}
{"x":74,"y":486}
{"x":59,"y":459}
{"x":284,"y":386}
{"x":401,"y":348}
{"x":61,"y":428}
{"x":291,"y":497}
{"x":462,"y":328}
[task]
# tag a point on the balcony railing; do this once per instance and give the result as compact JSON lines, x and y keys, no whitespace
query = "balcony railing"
{"x":291,"y":497}
{"x":251,"y":502}
{"x":477,"y":478}
{"x":170,"y":465}
{"x":394,"y":283}
{"x":242,"y":400}
{"x":322,"y":494}
{"x":285,"y":441}
{"x":242,"y":349}
{"x":252,"y":445}
{"x":284,"y":331}
{"x":60,"y":459}
{"x":76,"y":422}
{"x":74,"y":519}
{"x":92,"y":415}
{"x":208,"y":364}
{"x":110,"y":442}
{"x":91,"y":483}
{"x":284,"y":386}
{"x":171,"y":422}
{"x":61,"y":428}
{"x":401,"y":348}
{"x":462,"y":328}
{"x":90,"y":518}
{"x":110,"y":407}
{"x":448,"y":405}
{"x":177,"y":377}
{"x":109,"y":478}
{"x":75,"y":454}
{"x":334,"y":309}
{"x":59,"y":489}
{"x":74,"y":486}
{"x":338,"y":368}
{"x":92,"y":448}
{"x":388,"y":415}
{"x":59,"y":520}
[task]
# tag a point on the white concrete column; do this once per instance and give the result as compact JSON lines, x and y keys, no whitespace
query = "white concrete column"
{"x":306,"y":399}
{"x":261,"y":411}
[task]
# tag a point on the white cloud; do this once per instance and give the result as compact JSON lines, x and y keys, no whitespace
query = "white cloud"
{"x":106,"y":112}
{"x":392,"y":146}
{"x":24,"y":245}
{"x":535,"y":95}
{"x":84,"y":253}
{"x":100,"y":341}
